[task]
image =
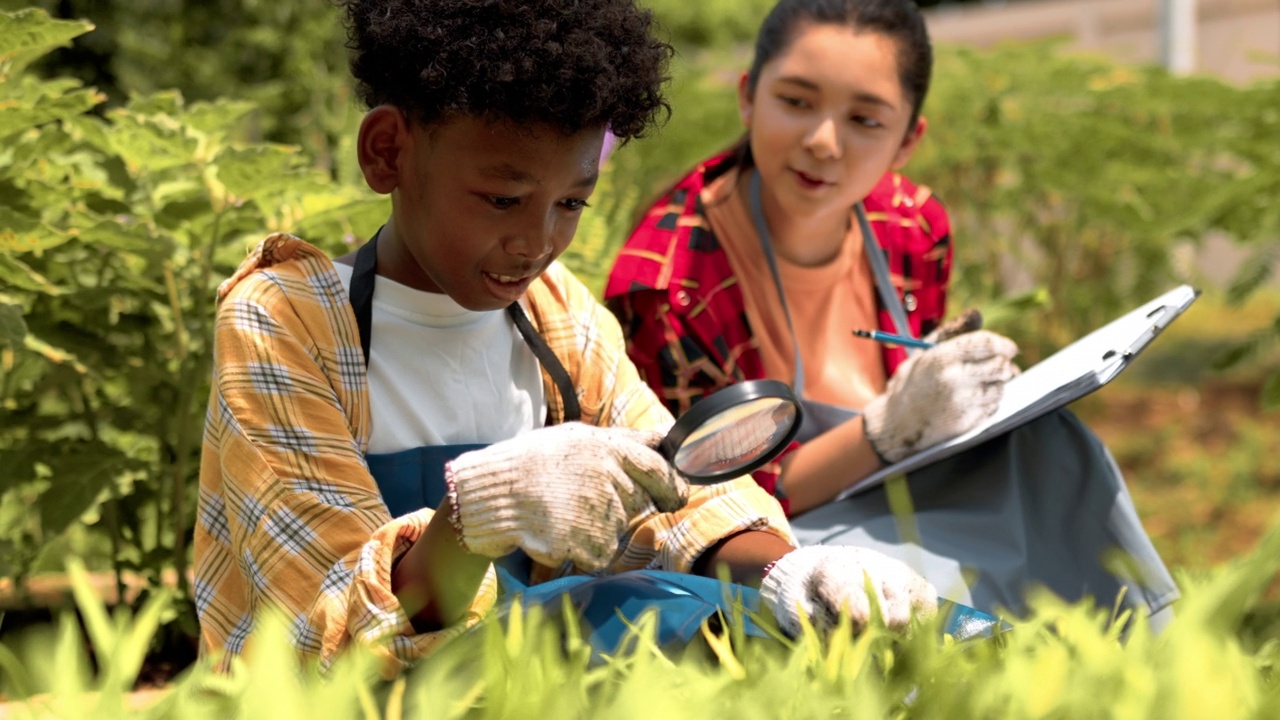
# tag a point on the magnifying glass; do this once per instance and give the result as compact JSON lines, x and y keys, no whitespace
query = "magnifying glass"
{"x":733,"y":431}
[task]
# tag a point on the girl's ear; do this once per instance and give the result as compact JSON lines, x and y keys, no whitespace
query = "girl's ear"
{"x":383,"y":138}
{"x":746,"y":100}
{"x":910,"y":142}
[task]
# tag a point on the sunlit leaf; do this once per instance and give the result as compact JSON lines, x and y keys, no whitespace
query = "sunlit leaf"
{"x":28,"y":34}
{"x":259,"y":170}
{"x":53,"y":101}
{"x":53,"y":354}
{"x":24,"y":234}
{"x":151,"y":143}
{"x":17,"y":274}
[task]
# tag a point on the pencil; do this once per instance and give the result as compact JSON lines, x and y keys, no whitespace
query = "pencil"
{"x":891,"y":339}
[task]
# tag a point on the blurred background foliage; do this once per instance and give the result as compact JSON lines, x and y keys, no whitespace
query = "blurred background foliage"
{"x":138,"y":161}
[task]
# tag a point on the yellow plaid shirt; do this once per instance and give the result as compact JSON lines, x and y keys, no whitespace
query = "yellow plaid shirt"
{"x":289,"y":517}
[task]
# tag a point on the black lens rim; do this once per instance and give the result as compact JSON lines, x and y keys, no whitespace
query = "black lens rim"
{"x":716,"y":403}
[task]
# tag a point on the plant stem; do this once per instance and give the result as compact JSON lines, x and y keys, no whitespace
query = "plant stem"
{"x":195,"y":366}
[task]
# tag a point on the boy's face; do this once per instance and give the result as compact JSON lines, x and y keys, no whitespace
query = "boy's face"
{"x":481,"y":208}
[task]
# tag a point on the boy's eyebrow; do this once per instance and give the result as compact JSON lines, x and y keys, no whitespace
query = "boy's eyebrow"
{"x":808,"y":84}
{"x":507,"y":171}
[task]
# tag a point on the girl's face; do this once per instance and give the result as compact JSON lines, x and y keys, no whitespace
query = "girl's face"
{"x":828,"y":117}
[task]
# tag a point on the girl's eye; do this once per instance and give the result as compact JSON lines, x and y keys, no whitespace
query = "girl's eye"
{"x":503,"y":202}
{"x":575,"y":204}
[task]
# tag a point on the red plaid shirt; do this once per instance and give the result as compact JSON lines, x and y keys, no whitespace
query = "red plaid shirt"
{"x":681,"y":306}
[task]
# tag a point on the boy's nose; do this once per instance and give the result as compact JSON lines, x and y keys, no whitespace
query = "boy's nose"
{"x":534,"y":243}
{"x":823,"y":140}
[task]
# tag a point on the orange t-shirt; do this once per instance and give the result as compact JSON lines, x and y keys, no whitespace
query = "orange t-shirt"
{"x":827,"y":303}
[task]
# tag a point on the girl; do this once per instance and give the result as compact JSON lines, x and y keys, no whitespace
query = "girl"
{"x":763,"y":259}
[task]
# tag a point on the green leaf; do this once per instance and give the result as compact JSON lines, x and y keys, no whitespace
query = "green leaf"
{"x":219,"y":117}
{"x":43,"y":103}
{"x":115,"y":236}
{"x":259,"y":170}
{"x":53,"y":354}
{"x":148,"y":144}
{"x":25,"y":234}
{"x":12,"y":327}
{"x":27,"y":34}
{"x":17,"y":274}
{"x":78,"y":477}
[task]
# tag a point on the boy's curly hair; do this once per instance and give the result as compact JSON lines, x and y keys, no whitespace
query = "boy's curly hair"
{"x":571,"y":64}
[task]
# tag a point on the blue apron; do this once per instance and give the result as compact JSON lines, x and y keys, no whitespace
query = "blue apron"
{"x":413,"y":479}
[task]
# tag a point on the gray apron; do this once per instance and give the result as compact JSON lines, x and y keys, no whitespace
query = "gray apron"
{"x":1042,"y":506}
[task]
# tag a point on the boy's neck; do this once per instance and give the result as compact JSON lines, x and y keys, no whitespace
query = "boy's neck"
{"x":395,"y":263}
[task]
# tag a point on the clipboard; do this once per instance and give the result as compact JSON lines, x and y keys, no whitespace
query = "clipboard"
{"x":1064,"y":377}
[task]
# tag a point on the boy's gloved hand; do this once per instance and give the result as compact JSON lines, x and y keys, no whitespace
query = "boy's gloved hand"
{"x":566,"y":492}
{"x":822,"y":580}
{"x":941,"y":392}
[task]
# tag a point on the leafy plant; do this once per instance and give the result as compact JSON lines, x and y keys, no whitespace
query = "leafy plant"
{"x":114,"y":232}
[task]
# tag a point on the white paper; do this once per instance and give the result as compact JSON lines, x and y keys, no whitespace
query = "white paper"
{"x":1067,"y":375}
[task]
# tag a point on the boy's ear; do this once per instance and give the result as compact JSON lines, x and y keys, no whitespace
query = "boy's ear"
{"x":746,"y":100}
{"x":910,"y":142}
{"x":384,"y":135}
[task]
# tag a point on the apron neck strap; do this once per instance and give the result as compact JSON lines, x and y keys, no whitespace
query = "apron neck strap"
{"x":365,"y":272}
{"x":875,"y":255}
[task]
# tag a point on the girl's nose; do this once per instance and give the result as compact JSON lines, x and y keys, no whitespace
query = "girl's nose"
{"x":823,"y":140}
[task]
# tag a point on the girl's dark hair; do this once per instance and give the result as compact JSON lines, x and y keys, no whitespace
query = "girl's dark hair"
{"x":899,"y":20}
{"x":571,"y":64}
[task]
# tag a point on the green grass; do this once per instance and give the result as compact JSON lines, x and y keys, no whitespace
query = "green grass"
{"x":1216,"y":659}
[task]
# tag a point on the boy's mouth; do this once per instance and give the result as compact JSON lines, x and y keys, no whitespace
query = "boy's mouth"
{"x":506,"y":278}
{"x":508,"y":288}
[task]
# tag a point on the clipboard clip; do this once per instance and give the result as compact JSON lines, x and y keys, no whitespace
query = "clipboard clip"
{"x":1163,"y":315}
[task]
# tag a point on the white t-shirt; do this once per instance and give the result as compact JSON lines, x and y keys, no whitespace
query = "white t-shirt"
{"x":440,"y":374}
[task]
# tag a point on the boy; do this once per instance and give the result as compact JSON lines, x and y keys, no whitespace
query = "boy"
{"x":479,"y":378}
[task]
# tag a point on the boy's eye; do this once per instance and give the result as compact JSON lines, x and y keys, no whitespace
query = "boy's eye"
{"x":574,"y":204}
{"x":794,"y":102}
{"x":865,"y":121}
{"x":503,"y":202}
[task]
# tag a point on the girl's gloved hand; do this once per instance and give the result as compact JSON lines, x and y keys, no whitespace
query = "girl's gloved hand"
{"x":942,"y":392}
{"x":822,"y":581}
{"x":566,"y":492}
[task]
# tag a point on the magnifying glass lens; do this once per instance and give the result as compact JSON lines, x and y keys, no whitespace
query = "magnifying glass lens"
{"x":736,"y":437}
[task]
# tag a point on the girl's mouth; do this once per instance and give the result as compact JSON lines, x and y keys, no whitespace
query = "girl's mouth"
{"x":809,"y":181}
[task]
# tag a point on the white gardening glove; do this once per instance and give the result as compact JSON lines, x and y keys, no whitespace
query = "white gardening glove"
{"x":566,"y":492}
{"x":942,"y":392}
{"x":822,"y":581}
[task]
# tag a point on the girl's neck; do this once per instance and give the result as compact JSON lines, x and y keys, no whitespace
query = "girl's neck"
{"x":807,"y":241}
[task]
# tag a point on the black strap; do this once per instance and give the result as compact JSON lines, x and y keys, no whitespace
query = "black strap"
{"x":545,"y":355}
{"x":365,"y":273}
{"x":362,"y":277}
